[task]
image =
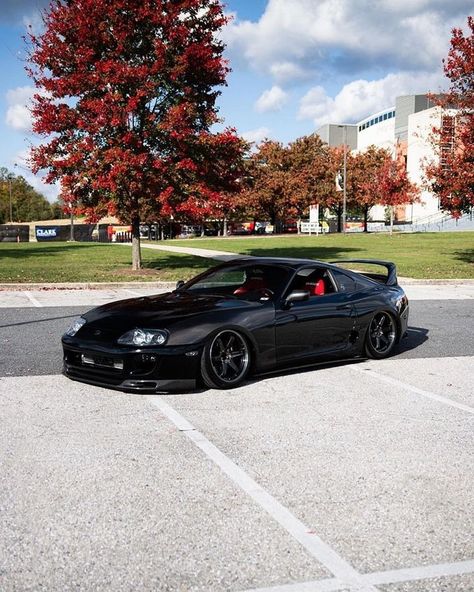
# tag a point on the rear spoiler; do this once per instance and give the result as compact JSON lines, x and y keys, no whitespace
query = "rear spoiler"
{"x":390,"y":279}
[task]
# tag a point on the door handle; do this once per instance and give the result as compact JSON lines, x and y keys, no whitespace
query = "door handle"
{"x":344,"y":306}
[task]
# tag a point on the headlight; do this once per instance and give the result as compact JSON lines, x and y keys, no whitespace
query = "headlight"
{"x":142,"y":337}
{"x":74,"y":328}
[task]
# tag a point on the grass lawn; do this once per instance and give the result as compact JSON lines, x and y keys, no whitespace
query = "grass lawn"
{"x":89,"y":262}
{"x":425,"y":255}
{"x":436,"y":255}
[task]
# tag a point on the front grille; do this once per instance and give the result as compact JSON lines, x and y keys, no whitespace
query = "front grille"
{"x":102,"y":362}
{"x":109,"y":370}
{"x":95,"y":375}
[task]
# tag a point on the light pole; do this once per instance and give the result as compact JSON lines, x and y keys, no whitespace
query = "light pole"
{"x":344,"y":180}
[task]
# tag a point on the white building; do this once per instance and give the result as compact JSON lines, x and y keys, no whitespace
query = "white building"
{"x":377,"y":130}
{"x":405,"y":131}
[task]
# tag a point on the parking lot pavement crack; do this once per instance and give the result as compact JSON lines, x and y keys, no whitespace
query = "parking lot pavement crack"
{"x":313,"y":544}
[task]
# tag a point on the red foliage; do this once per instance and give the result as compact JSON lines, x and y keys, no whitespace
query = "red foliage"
{"x":393,"y":186}
{"x":127,"y":99}
{"x":452,"y":177}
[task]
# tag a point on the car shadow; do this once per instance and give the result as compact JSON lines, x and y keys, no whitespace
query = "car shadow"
{"x":255,"y":379}
{"x":415,"y":337}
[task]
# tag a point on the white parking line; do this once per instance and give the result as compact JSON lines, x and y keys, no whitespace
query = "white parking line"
{"x":33,"y":300}
{"x":395,"y":576}
{"x":321,"y":551}
{"x":411,"y":388}
{"x":421,"y":573}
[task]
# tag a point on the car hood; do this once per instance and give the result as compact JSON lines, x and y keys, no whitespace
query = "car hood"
{"x":162,"y":311}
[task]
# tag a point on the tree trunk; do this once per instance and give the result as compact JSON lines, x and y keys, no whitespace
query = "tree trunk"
{"x":366,"y":217}
{"x":339,"y":218}
{"x":136,"y":253}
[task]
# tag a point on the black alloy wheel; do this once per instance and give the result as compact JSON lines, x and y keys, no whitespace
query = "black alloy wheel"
{"x":381,"y":336}
{"x":226,"y":360}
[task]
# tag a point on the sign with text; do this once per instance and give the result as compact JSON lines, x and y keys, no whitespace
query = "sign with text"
{"x":44,"y":233}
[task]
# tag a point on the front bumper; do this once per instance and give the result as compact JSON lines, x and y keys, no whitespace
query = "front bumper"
{"x":132,"y":370}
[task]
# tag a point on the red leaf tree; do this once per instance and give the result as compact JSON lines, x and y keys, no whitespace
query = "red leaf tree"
{"x":393,"y":187}
{"x":127,"y":92}
{"x":378,"y":179}
{"x":452,"y":176}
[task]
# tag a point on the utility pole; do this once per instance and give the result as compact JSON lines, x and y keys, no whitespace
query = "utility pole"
{"x":71,"y":237}
{"x":10,"y":193}
{"x":344,"y":180}
{"x":344,"y":195}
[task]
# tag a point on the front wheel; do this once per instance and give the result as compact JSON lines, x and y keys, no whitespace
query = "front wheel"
{"x":381,"y":336}
{"x":225,"y":360}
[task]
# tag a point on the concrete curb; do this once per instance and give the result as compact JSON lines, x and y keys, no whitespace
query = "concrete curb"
{"x":88,"y":286}
{"x":435,"y":282}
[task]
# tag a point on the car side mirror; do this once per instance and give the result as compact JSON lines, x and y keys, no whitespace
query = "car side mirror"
{"x":179,"y":284}
{"x":296,"y":296}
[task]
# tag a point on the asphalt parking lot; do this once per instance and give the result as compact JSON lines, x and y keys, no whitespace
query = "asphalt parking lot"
{"x":342,"y":477}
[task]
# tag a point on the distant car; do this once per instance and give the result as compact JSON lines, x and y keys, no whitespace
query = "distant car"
{"x":243,"y":317}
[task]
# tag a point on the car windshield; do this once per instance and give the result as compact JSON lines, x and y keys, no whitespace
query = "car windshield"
{"x":248,"y":281}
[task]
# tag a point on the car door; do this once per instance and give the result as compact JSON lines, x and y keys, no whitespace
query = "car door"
{"x":321,"y":324}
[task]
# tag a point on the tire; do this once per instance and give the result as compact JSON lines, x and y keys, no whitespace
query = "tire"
{"x":381,"y":336}
{"x":226,"y":360}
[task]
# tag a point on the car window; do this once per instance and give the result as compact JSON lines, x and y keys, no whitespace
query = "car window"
{"x":316,"y":280}
{"x":344,"y":282}
{"x":221,"y":279}
{"x":243,"y":281}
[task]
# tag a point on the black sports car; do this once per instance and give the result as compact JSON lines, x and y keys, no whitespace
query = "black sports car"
{"x":246,"y":316}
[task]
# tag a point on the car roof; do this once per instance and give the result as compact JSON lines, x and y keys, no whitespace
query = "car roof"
{"x":292,"y":262}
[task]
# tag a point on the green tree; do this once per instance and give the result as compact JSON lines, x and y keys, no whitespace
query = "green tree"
{"x":27,"y":204}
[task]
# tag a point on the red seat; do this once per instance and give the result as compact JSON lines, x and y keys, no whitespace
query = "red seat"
{"x":316,"y":288}
{"x":250,"y":285}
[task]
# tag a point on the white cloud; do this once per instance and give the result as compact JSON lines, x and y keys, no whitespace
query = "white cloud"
{"x":18,"y":117}
{"x":18,"y":114}
{"x":351,"y":36}
{"x":360,"y":98}
{"x":273,"y":99}
{"x":14,"y":12}
{"x":34,"y":23}
{"x":286,"y":71}
{"x":256,"y":135}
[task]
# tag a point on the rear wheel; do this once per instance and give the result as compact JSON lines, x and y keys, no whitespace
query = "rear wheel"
{"x":381,"y":336}
{"x":225,"y":360}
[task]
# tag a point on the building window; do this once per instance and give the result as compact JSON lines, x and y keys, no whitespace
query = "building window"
{"x":447,"y":139}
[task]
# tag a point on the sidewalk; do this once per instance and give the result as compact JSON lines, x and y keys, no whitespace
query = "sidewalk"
{"x":208,"y":253}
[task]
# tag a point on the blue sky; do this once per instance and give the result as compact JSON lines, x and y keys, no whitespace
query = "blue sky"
{"x":296,"y":64}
